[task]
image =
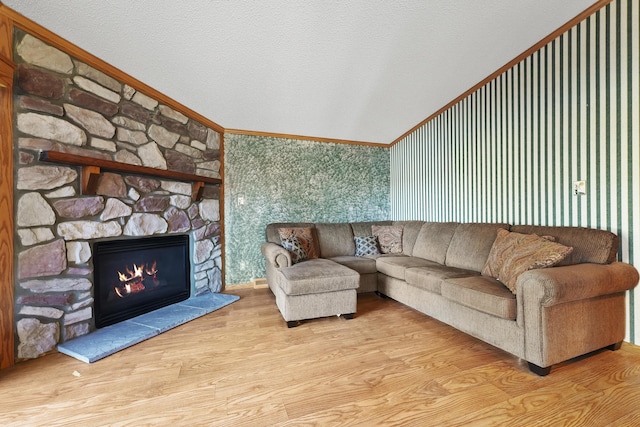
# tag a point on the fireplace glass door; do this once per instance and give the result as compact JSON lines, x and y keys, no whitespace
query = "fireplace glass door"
{"x":136,"y":276}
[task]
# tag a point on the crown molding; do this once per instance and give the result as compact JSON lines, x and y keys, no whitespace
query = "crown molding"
{"x":304,"y":138}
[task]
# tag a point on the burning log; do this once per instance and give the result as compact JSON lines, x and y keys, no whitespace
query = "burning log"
{"x":136,"y":280}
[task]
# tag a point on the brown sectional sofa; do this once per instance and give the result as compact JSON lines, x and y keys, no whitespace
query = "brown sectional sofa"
{"x":556,"y":313}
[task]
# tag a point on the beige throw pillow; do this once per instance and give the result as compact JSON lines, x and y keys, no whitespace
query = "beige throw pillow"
{"x":389,"y":238}
{"x":514,"y":253}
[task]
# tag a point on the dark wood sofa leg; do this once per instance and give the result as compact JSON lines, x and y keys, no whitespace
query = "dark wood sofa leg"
{"x":292,"y":323}
{"x":543,"y":372}
{"x":348,"y":316}
{"x":615,"y":346}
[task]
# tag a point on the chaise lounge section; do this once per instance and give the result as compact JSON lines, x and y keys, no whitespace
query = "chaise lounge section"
{"x":476,"y":277}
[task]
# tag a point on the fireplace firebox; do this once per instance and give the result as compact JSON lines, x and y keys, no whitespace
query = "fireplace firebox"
{"x":136,"y":276}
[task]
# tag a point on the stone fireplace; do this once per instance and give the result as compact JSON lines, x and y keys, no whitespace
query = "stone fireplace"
{"x":63,"y":212}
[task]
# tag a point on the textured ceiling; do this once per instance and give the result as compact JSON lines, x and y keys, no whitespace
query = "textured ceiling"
{"x":360,"y":70}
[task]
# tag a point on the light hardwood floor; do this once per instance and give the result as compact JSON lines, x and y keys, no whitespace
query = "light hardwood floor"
{"x":241,"y":366}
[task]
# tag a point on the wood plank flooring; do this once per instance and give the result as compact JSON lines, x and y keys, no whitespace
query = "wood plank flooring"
{"x":391,"y":365}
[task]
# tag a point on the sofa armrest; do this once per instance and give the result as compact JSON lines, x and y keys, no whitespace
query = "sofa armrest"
{"x":572,"y":310}
{"x":276,"y":255}
{"x":558,"y":285}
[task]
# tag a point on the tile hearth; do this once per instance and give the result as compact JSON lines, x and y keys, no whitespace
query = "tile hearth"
{"x":111,"y":339}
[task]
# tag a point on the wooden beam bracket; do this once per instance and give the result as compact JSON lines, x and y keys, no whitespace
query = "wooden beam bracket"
{"x":90,"y":177}
{"x":197,"y":190}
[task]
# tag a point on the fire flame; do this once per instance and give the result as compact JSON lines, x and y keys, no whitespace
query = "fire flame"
{"x":153,"y":270}
{"x":132,"y":280}
{"x":137,"y":272}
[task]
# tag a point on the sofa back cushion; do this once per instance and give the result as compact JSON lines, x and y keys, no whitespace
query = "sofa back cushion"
{"x":433,"y":240}
{"x":335,"y":239}
{"x":471,"y":244}
{"x":589,"y":244}
{"x":364,"y":228}
{"x":410,"y":232}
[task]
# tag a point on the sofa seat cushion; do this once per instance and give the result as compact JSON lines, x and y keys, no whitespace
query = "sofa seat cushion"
{"x":430,"y":278}
{"x":316,"y":276}
{"x":395,"y":266}
{"x":481,"y":293}
{"x":363,"y":265}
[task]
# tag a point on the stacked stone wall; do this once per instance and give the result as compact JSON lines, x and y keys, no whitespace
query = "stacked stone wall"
{"x":62,"y":104}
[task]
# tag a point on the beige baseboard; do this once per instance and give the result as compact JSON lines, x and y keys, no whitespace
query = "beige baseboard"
{"x":255,"y":284}
{"x":260,"y":283}
{"x":238,"y":286}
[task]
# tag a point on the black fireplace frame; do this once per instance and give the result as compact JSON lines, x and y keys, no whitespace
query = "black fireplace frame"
{"x":111,"y":247}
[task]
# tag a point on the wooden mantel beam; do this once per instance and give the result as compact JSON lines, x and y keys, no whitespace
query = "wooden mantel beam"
{"x":92,"y":167}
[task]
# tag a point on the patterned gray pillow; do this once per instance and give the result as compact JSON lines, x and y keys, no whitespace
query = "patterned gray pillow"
{"x":366,"y":245}
{"x":293,"y":245}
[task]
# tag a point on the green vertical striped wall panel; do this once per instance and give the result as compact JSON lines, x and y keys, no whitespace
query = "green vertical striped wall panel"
{"x":511,"y":150}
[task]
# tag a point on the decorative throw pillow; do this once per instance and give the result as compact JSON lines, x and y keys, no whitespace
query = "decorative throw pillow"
{"x":389,"y":238}
{"x":366,"y":245}
{"x":514,"y":253}
{"x":304,"y":235}
{"x":504,"y":244}
{"x":293,"y":245}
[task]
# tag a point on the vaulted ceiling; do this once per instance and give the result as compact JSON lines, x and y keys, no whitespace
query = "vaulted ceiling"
{"x":359,"y":70}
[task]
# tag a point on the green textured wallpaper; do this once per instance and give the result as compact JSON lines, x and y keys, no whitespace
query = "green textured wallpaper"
{"x":277,"y":180}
